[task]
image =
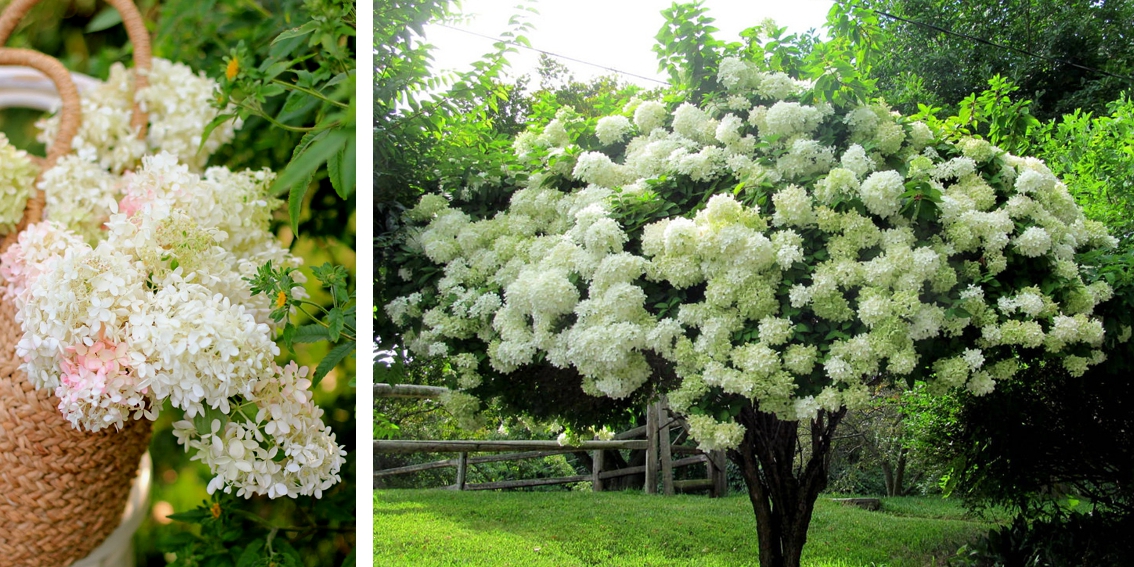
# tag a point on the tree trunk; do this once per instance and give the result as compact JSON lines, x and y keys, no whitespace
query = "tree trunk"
{"x":783,"y":490}
{"x":888,"y":477}
{"x":899,"y":477}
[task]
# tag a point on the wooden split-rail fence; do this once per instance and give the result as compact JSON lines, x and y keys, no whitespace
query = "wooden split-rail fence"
{"x":661,"y":438}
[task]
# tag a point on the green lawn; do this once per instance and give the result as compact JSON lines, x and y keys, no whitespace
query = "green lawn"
{"x":426,"y":528}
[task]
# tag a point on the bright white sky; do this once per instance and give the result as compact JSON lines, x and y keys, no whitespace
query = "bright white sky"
{"x":613,"y":33}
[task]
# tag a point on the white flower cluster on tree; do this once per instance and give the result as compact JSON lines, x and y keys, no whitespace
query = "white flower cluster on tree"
{"x":157,"y":310}
{"x":821,"y":249}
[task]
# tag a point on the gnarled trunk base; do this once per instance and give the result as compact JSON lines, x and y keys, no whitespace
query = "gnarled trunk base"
{"x":783,"y":482}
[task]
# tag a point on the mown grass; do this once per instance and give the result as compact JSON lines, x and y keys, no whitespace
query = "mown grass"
{"x":615,"y":529}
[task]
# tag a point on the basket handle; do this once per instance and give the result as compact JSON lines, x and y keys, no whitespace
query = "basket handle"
{"x":69,"y":119}
{"x":135,"y":29}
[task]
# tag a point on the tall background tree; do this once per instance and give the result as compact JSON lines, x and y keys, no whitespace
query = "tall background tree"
{"x":1063,"y":55}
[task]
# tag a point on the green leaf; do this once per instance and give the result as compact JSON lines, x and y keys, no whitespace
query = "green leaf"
{"x":270,"y":90}
{"x":251,"y":554}
{"x":287,"y":337}
{"x":350,"y":560}
{"x":303,"y":166}
{"x":221,"y":119}
{"x":335,"y":324}
{"x":312,"y":333}
{"x":341,"y":168}
{"x":297,"y":32}
{"x":273,"y":69}
{"x":295,"y":106}
{"x":332,"y":359}
{"x":191,"y":516}
{"x":284,"y":46}
{"x":104,"y":20}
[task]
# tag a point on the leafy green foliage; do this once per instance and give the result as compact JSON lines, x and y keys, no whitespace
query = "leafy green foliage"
{"x":1045,"y":436}
{"x":440,"y":133}
{"x":232,"y":537}
{"x":287,"y":70}
{"x":687,"y":50}
{"x":991,"y":114}
{"x":1094,"y":155}
{"x":1060,"y":540}
{"x":334,"y":324}
{"x":880,"y":447}
{"x":1066,"y":40}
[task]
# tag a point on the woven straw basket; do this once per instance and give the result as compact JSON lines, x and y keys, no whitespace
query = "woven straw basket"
{"x":62,"y":490}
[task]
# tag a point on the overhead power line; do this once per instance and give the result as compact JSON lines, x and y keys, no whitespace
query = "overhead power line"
{"x":933,"y":27}
{"x":556,"y":55}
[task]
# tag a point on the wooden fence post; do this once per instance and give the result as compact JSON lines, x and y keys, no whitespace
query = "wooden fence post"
{"x":718,"y":474}
{"x":596,"y":470}
{"x":651,"y":450}
{"x":663,"y":445}
{"x":462,"y":470}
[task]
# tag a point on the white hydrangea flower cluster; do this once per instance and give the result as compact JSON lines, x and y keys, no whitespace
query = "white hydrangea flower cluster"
{"x":17,"y":175}
{"x":80,"y":195}
{"x":612,"y":129}
{"x":178,"y":102}
{"x":839,"y":276}
{"x":157,"y":310}
{"x":276,"y":444}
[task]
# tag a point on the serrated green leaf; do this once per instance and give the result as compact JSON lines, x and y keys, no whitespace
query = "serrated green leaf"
{"x":329,"y":362}
{"x":295,"y":203}
{"x":296,"y":105}
{"x":287,"y":337}
{"x":312,"y":333}
{"x":334,"y":324}
{"x":303,"y":166}
{"x":341,"y":168}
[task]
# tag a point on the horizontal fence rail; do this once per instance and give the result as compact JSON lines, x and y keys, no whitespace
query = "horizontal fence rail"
{"x":408,"y":391}
{"x":408,"y":446}
{"x":654,"y":438}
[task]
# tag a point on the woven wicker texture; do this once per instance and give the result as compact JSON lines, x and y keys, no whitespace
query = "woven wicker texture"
{"x":62,"y":490}
{"x":69,"y":120}
{"x":135,"y":29}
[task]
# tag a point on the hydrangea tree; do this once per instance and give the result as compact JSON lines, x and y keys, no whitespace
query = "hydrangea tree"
{"x":763,"y":258}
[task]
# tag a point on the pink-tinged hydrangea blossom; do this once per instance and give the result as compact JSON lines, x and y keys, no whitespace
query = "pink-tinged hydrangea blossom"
{"x":98,"y":388}
{"x":157,"y":310}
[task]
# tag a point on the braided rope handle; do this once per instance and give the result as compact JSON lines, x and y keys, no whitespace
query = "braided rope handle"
{"x":69,"y":119}
{"x":135,"y":29}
